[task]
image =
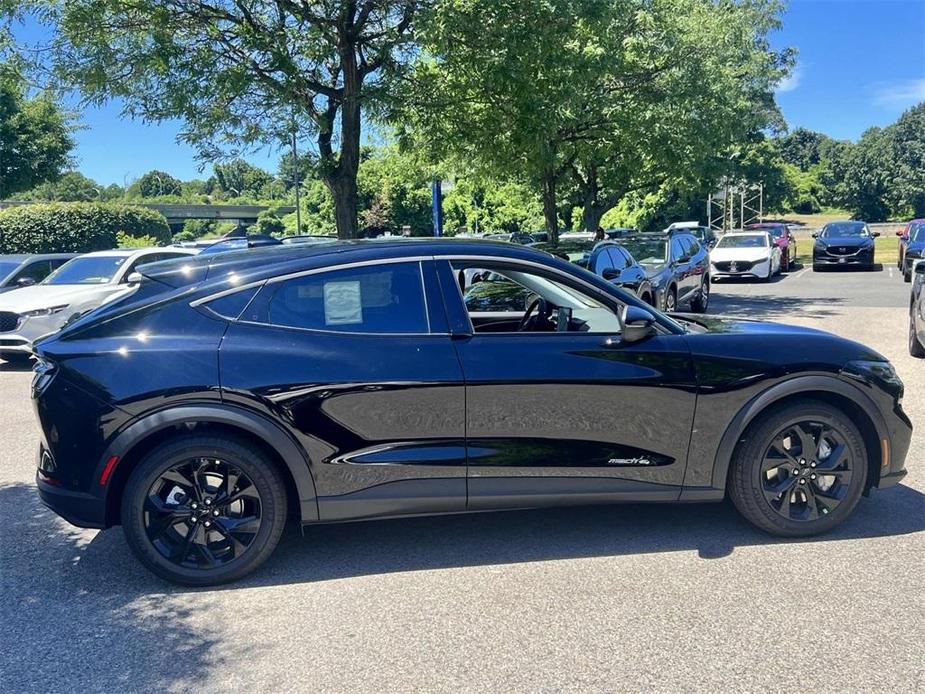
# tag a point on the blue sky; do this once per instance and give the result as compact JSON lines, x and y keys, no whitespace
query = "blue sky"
{"x":861,"y":63}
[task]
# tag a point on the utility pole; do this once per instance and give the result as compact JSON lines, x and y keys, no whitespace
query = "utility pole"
{"x":295,"y":169}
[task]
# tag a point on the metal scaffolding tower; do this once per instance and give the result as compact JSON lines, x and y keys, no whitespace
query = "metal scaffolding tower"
{"x":735,"y":205}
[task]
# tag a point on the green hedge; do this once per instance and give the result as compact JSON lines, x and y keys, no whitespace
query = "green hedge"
{"x":77,"y":227}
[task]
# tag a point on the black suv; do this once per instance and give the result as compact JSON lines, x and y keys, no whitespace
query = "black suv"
{"x":678,"y":268}
{"x":349,"y":381}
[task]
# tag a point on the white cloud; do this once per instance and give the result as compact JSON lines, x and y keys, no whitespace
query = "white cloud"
{"x":791,"y":81}
{"x":902,"y":94}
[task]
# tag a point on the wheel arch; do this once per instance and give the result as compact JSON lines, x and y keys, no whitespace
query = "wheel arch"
{"x":143,"y":435}
{"x":841,"y":395}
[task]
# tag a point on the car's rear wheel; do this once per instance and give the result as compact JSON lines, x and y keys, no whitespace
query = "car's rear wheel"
{"x":916,"y":348}
{"x":202,"y":511}
{"x":702,"y":302}
{"x":799,"y":471}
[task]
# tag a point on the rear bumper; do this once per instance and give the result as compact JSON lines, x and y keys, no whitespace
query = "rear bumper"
{"x":77,"y":508}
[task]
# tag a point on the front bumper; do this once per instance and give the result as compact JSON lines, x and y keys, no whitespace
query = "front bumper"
{"x":29,"y":330}
{"x":864,"y":256}
{"x":759,"y":270}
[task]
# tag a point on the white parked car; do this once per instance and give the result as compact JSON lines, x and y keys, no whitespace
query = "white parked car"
{"x":745,"y":254}
{"x":80,"y":285}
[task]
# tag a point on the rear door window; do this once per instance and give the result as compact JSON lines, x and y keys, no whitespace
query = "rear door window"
{"x":383,"y":299}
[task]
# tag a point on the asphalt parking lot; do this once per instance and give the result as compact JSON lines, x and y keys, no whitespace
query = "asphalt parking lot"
{"x":669,"y":598}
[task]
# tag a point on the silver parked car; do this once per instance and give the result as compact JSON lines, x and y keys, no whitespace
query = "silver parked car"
{"x":77,"y":287}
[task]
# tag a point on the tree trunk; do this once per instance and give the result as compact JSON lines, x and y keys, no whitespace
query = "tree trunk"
{"x":341,"y":178}
{"x":591,"y":216}
{"x":550,"y":209}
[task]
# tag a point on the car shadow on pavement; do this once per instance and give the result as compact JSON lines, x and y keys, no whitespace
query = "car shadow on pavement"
{"x":15,"y":366}
{"x":79,"y":614}
{"x":768,"y":307}
{"x":64,"y":562}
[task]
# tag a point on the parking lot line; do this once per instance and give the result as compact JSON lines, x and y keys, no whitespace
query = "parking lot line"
{"x":793,"y":277}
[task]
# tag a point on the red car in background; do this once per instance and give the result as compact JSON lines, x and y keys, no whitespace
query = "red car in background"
{"x":780,"y":235}
{"x":903,"y":235}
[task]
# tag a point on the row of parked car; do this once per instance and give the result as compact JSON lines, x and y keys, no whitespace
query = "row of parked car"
{"x":912,"y":265}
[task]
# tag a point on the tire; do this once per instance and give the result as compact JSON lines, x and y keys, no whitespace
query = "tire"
{"x":816,"y":268}
{"x":804,"y":507}
{"x":916,"y":348}
{"x":702,"y":302}
{"x":671,"y":300}
{"x":907,"y":276}
{"x":262,"y":495}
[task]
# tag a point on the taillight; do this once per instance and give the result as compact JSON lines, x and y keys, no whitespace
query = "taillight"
{"x":44,"y":372}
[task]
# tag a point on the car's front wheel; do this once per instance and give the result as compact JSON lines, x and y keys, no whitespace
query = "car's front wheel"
{"x":799,"y":471}
{"x":202,"y":510}
{"x":671,"y":301}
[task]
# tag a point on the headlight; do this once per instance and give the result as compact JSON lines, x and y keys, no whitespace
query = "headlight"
{"x":914,"y":254}
{"x":43,"y":311}
{"x":881,"y":371}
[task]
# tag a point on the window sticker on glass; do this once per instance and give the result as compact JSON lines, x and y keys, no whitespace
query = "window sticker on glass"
{"x":342,"y":303}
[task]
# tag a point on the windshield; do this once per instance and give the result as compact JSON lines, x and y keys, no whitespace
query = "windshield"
{"x":917,"y":233}
{"x":646,"y":251}
{"x":743,"y":241}
{"x":845,"y":229}
{"x":776,"y":230}
{"x":98,"y":269}
{"x":6,"y":267}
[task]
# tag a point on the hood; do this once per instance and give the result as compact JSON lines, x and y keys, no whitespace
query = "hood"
{"x":48,"y":295}
{"x":748,"y":254}
{"x":741,"y":326}
{"x":846,"y":241}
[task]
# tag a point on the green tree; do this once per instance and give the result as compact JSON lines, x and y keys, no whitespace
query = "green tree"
{"x":239,"y":178}
{"x":864,"y":179}
{"x":155,"y":184}
{"x":614,"y":95}
{"x":908,"y":163}
{"x":35,"y":137}
{"x":73,"y":186}
{"x":245,"y":73}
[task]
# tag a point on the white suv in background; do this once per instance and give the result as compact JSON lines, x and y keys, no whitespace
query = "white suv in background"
{"x":78,"y":286}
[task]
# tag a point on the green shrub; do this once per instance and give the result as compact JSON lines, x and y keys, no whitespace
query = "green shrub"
{"x":198,"y":228}
{"x":78,"y":227}
{"x":126,"y":241}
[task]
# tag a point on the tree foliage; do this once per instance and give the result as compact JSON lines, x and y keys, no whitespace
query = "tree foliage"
{"x":155,"y":184}
{"x":616,"y":95}
{"x":35,"y":137}
{"x":245,"y":72}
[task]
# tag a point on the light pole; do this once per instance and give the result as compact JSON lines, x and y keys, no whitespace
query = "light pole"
{"x":295,"y":175}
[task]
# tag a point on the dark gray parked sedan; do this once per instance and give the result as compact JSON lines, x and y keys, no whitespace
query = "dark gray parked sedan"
{"x":25,"y":270}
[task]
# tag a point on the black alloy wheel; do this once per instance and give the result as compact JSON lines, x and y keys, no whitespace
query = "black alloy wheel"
{"x":201,"y":511}
{"x":799,"y":471}
{"x":806,"y":471}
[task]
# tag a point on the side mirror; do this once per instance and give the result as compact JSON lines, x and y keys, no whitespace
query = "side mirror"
{"x":901,"y":232}
{"x":815,"y":234}
{"x":25,"y":282}
{"x":610,"y":273}
{"x":135,"y":278}
{"x":638,"y":324}
{"x":876,"y":234}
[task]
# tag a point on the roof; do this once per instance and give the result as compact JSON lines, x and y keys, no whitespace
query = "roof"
{"x":256,"y":263}
{"x":127,"y":252}
{"x":36,"y":256}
